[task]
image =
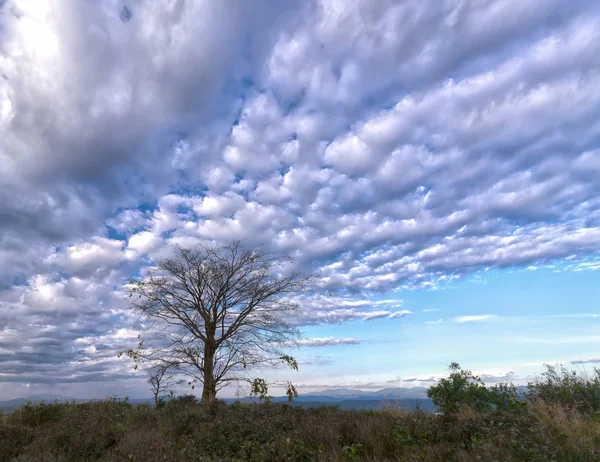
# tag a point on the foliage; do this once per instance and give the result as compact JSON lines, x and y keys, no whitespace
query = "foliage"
{"x":557,"y":423}
{"x":259,"y":387}
{"x":184,"y":429}
{"x":162,"y":381}
{"x":352,"y":451}
{"x":462,"y":388}
{"x":181,"y":402}
{"x":569,"y":388}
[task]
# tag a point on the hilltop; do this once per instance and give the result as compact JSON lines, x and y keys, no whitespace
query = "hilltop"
{"x":186,"y":430}
{"x":400,"y":398}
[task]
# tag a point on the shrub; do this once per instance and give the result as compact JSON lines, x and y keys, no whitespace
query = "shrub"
{"x":568,"y":388}
{"x":180,"y":402}
{"x":34,"y":415}
{"x":505,"y":396}
{"x":462,"y":388}
{"x":185,"y":430}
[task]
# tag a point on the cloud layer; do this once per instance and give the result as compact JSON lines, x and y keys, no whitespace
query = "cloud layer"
{"x":384,"y":145}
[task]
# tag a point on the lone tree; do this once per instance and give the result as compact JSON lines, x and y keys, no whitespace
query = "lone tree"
{"x":161,"y":380}
{"x":217,"y":311}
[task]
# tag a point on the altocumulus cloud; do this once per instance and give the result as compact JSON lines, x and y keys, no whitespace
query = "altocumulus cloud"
{"x":384,"y":145}
{"x":327,"y":341}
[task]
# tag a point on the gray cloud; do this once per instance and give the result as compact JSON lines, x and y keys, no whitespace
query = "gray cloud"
{"x":586,"y":361}
{"x":317,"y":309}
{"x":92,"y":116}
{"x":384,"y":145}
{"x":327,"y":341}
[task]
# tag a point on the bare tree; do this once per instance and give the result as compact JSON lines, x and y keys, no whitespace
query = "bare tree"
{"x":162,"y":379}
{"x":216,"y":312}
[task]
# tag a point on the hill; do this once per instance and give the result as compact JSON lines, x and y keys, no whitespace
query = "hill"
{"x":406,"y":398}
{"x":185,"y":430}
{"x":407,"y":404}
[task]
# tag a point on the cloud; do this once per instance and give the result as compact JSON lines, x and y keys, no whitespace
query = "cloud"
{"x":317,"y":360}
{"x":508,"y":377}
{"x":583,"y":339}
{"x":385,"y":146}
{"x":412,"y":380}
{"x":318,"y":309}
{"x":399,"y":314}
{"x":475,"y":318}
{"x":327,"y":341}
{"x":586,"y":361}
{"x":94,"y":120}
{"x":426,"y":381}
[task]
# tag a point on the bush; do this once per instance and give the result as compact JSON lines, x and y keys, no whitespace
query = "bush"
{"x":34,"y":415}
{"x":462,"y":388}
{"x":180,"y":402}
{"x":478,"y":423}
{"x":251,"y":432}
{"x":568,"y":388}
{"x":505,"y":396}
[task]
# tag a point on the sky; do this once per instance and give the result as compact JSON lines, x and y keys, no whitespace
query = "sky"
{"x":434,"y":164}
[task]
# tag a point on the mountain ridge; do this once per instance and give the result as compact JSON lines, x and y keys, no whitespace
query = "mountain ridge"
{"x":407,"y":398}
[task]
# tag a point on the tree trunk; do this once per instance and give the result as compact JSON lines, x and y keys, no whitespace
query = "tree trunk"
{"x":209,"y":388}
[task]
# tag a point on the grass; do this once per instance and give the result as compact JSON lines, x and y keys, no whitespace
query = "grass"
{"x":185,"y":430}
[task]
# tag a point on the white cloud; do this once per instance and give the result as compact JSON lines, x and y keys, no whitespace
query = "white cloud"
{"x":90,"y":350}
{"x":399,"y":314}
{"x":318,"y":309}
{"x":386,"y":146}
{"x":583,"y":339}
{"x":142,"y":243}
{"x":86,"y":257}
{"x":475,"y":318}
{"x":327,"y":341}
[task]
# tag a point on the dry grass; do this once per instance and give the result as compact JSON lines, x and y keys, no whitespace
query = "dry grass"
{"x":189,"y":431}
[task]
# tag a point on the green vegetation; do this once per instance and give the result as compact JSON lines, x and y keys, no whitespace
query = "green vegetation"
{"x":463,"y":389}
{"x":557,"y":421}
{"x":559,"y":385}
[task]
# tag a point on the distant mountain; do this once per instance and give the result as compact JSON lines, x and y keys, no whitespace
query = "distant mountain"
{"x":405,"y":398}
{"x":42,"y":397}
{"x":397,"y":393}
{"x":338,"y":393}
{"x":12,"y":404}
{"x":407,"y":404}
{"x":401,"y":393}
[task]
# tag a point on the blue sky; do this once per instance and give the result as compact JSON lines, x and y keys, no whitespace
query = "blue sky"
{"x":433,"y":164}
{"x":512,"y":323}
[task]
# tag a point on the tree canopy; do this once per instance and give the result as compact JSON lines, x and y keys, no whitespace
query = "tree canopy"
{"x":214,"y":312}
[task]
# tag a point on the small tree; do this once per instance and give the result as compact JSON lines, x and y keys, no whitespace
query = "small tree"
{"x":462,"y":388}
{"x":216,"y":312}
{"x":162,"y":380}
